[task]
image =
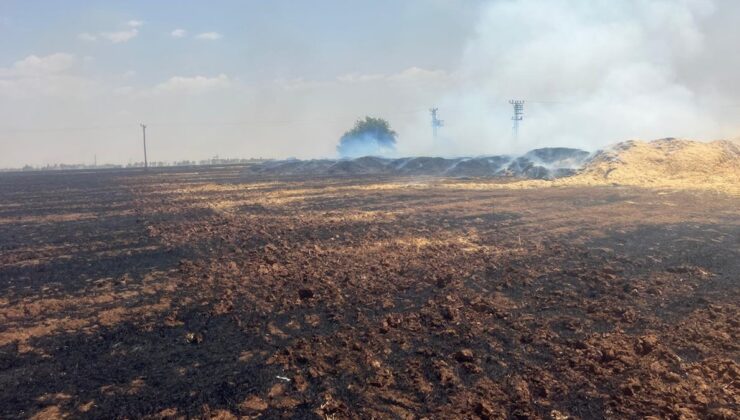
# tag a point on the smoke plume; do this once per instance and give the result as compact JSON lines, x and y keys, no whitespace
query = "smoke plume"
{"x":591,"y":73}
{"x":369,"y":137}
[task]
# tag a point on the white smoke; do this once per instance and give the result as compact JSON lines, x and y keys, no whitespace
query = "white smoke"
{"x":592,"y":72}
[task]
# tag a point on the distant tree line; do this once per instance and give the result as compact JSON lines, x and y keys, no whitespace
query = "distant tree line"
{"x":156,"y":164}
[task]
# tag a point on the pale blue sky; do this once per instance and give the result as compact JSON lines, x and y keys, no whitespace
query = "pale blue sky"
{"x":286,"y":78}
{"x":262,"y":40}
{"x":227,"y":61}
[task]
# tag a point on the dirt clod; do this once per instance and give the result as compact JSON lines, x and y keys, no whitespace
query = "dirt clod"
{"x":253,"y":403}
{"x":305,"y":294}
{"x":194,"y":337}
{"x":464,"y":355}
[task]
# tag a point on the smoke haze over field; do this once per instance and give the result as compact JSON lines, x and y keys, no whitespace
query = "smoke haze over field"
{"x":592,"y":72}
{"x":271,"y":79}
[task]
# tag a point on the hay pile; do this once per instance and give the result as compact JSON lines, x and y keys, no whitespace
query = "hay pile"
{"x":666,"y":163}
{"x":545,"y":163}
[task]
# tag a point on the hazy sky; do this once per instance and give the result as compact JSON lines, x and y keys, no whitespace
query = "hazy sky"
{"x":286,"y":78}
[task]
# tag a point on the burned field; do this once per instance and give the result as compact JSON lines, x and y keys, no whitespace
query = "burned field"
{"x":208,"y":294}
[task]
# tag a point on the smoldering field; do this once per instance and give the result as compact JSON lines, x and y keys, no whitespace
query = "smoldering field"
{"x":207,"y":294}
{"x":378,"y":287}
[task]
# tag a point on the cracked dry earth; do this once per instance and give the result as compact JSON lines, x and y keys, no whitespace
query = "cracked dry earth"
{"x":183,"y":294}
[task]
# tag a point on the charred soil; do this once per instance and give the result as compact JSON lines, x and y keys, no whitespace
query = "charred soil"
{"x":202,"y":294}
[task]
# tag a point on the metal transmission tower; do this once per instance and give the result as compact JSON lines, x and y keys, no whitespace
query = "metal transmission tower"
{"x":436,"y":122}
{"x":518,"y":116}
{"x":143,"y":131}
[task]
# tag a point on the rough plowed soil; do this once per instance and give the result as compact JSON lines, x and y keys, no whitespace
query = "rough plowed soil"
{"x":201,"y":294}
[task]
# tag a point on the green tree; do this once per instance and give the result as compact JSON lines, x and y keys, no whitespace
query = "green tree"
{"x":370,"y":136}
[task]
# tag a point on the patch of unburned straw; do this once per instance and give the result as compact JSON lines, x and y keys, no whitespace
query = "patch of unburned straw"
{"x":464,"y":243}
{"x":356,"y":216}
{"x":667,"y":164}
{"x":495,"y":184}
{"x":285,"y":188}
{"x":245,"y":194}
{"x":33,"y":317}
{"x":57,"y":218}
{"x":209,"y":188}
{"x":729,"y":186}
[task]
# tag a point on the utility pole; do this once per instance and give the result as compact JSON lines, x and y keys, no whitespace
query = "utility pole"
{"x":143,"y":130}
{"x":436,"y":122}
{"x":518,"y":116}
